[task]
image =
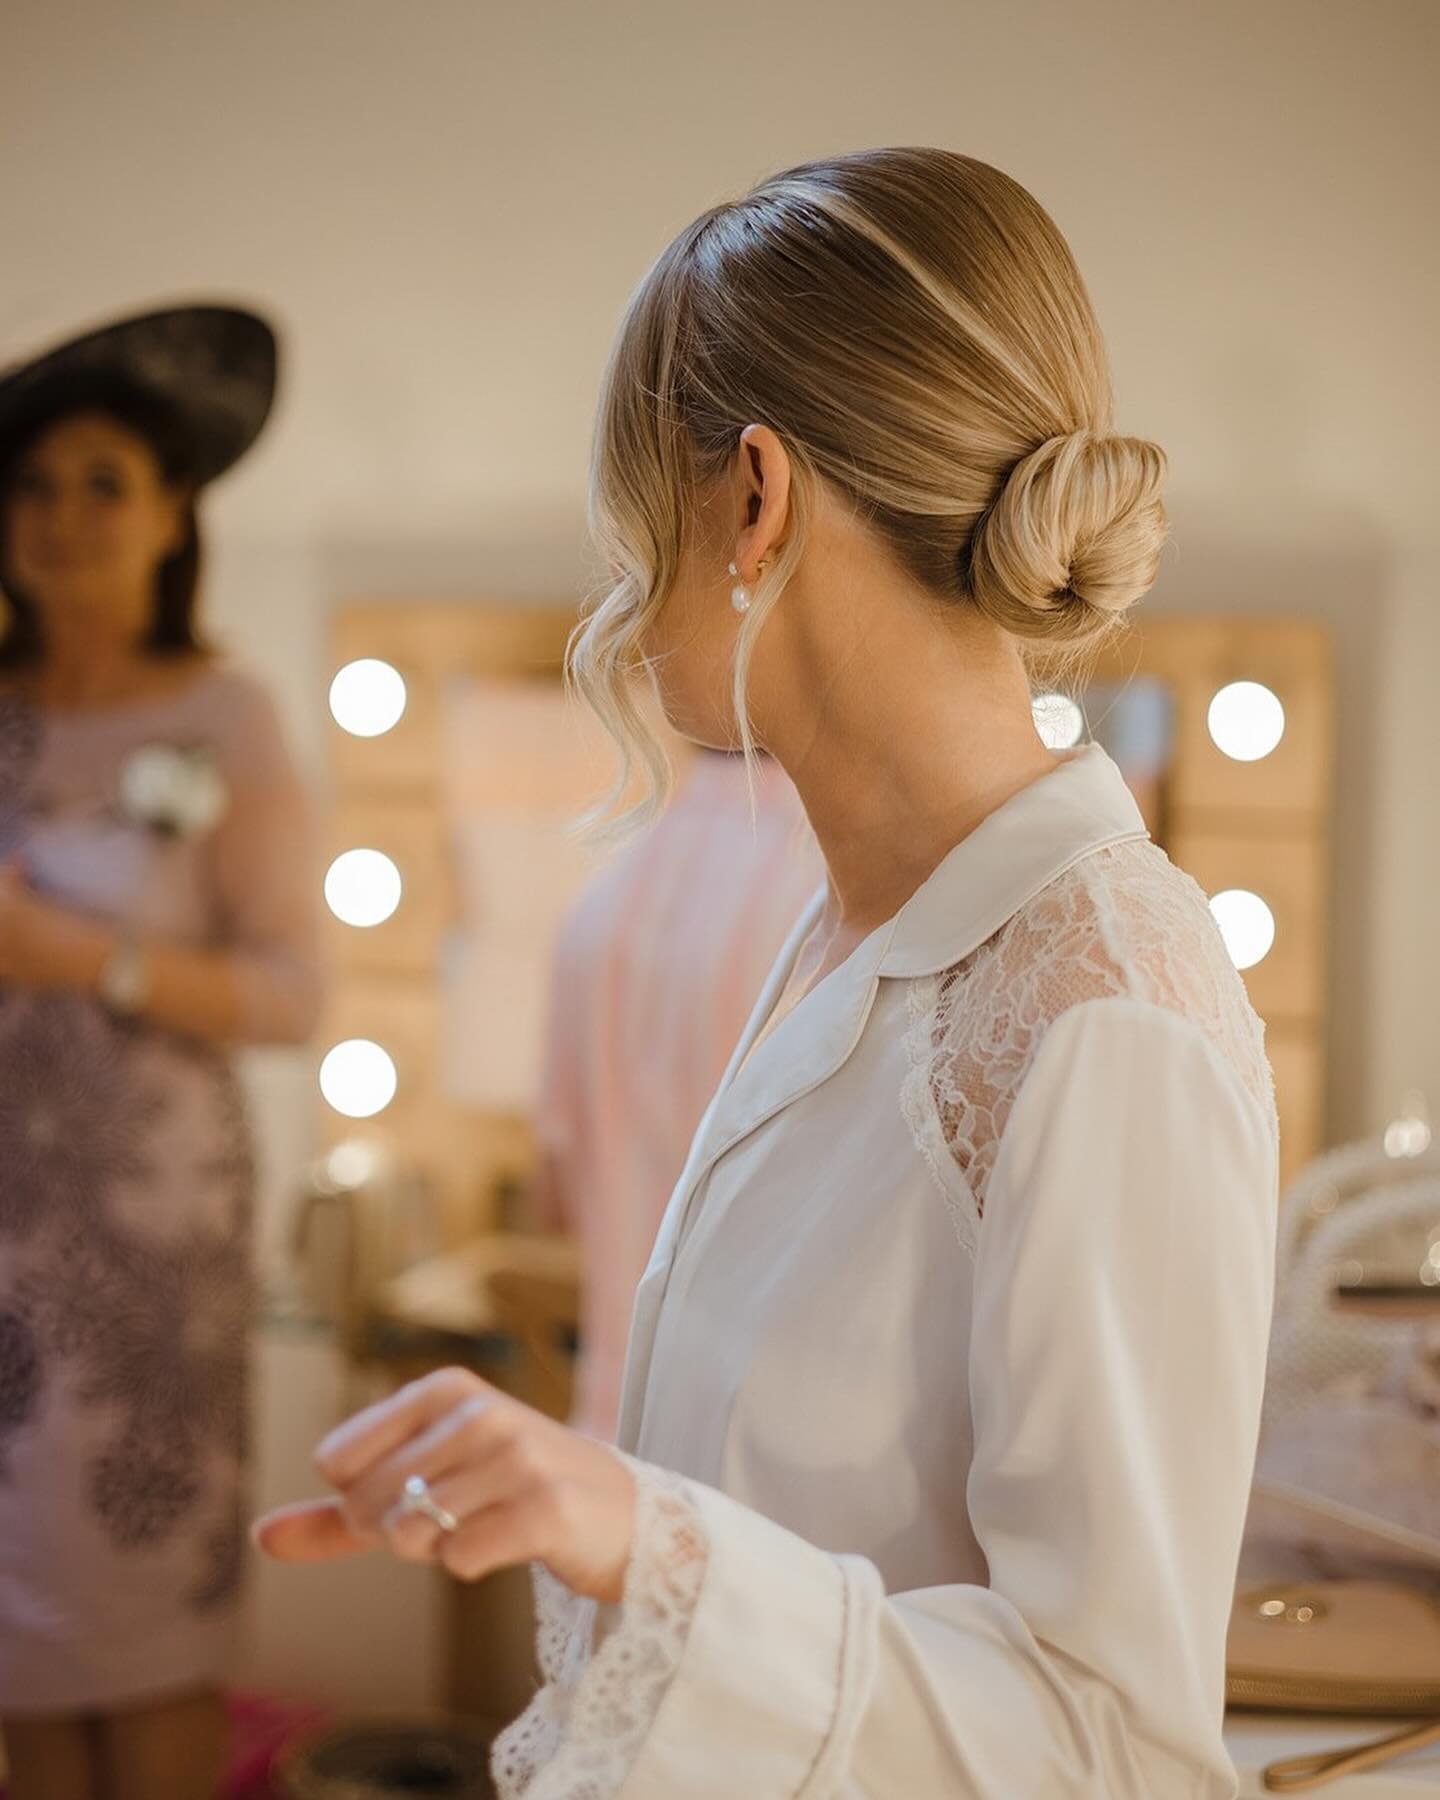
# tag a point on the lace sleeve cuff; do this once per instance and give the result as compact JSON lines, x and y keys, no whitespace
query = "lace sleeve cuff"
{"x":738,"y":1662}
{"x":606,"y":1669}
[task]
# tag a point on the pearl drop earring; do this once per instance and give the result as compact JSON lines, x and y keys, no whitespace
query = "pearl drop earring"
{"x":740,"y":594}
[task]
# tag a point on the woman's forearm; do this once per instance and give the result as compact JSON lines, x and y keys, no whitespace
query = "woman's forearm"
{"x":225,"y":995}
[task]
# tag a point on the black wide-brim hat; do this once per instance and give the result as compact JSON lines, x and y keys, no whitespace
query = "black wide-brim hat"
{"x":215,"y":368}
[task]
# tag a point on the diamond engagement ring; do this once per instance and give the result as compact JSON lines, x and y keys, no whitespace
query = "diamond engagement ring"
{"x":418,"y":1499}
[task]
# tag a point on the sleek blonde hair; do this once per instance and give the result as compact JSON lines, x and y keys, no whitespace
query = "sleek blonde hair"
{"x":913,"y":327}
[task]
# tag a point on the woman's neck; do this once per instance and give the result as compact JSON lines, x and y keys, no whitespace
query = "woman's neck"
{"x":921,"y":729}
{"x":93,"y":669}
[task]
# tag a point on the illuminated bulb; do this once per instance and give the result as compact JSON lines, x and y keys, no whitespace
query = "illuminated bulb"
{"x":362,"y":887}
{"x":1246,"y":924}
{"x":1408,"y":1134}
{"x":351,"y":1164}
{"x":1408,"y":1137}
{"x":1059,"y":721}
{"x":1246,"y":721}
{"x":358,"y":1078}
{"x":367,"y":698}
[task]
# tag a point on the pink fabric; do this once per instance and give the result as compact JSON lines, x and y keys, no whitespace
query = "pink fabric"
{"x":656,"y":972}
{"x":261,"y":1726}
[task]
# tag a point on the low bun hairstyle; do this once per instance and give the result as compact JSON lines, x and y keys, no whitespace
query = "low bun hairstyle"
{"x":1072,"y":539}
{"x":912,"y":325}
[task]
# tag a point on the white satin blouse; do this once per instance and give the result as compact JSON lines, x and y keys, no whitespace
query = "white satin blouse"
{"x":945,"y":1376}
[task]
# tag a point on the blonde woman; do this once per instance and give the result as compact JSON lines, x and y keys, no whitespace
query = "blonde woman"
{"x":945,"y":1373}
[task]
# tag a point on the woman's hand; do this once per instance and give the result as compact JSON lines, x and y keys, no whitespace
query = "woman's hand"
{"x":42,"y":945}
{"x":522,"y":1487}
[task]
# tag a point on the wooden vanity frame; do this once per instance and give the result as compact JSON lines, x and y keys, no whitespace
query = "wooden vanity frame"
{"x":1264,"y":825}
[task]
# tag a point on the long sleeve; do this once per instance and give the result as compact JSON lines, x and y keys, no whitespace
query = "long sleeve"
{"x":1123,"y":1293}
{"x":265,"y":865}
{"x":1122,"y":1298}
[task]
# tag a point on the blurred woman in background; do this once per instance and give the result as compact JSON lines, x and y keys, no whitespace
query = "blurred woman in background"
{"x":156,"y":888}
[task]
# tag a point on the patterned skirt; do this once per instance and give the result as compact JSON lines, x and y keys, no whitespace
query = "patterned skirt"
{"x":126,"y":1304}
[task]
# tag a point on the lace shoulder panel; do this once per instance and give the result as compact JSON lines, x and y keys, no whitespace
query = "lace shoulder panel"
{"x":1122,"y":921}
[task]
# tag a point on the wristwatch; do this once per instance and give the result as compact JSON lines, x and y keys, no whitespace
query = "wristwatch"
{"x":125,"y":981}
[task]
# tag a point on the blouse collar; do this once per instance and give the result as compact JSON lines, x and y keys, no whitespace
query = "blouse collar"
{"x":1081,"y":806}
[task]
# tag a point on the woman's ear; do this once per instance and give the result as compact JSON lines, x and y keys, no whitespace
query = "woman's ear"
{"x":765,"y":472}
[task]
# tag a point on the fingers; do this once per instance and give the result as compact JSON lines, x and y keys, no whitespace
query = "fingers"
{"x":466,"y":1437}
{"x":311,"y":1531}
{"x":483,"y":1456}
{"x":351,"y":1449}
{"x":501,"y":1478}
{"x":495,"y":1538}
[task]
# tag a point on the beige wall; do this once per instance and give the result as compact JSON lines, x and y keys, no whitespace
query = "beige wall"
{"x":446,"y":203}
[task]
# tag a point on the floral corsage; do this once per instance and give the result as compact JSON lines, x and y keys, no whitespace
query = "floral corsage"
{"x":178,"y":791}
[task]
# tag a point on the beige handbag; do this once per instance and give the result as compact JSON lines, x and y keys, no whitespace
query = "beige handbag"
{"x":1363,"y":1647}
{"x":1336,"y":1611}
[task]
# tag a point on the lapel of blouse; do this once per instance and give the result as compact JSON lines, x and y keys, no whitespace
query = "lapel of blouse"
{"x":808,"y":1045}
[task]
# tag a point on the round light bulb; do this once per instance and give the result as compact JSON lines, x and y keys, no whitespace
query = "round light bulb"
{"x":367,"y":698}
{"x":1410,"y":1137}
{"x":351,"y":1164}
{"x":363,"y":888}
{"x":1246,"y":924}
{"x":1059,"y":721}
{"x":1246,"y":721}
{"x":358,"y":1078}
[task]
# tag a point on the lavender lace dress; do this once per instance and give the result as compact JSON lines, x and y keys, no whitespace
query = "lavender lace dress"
{"x":126,"y":1184}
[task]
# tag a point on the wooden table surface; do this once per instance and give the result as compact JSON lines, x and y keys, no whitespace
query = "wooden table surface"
{"x":451,"y":1292}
